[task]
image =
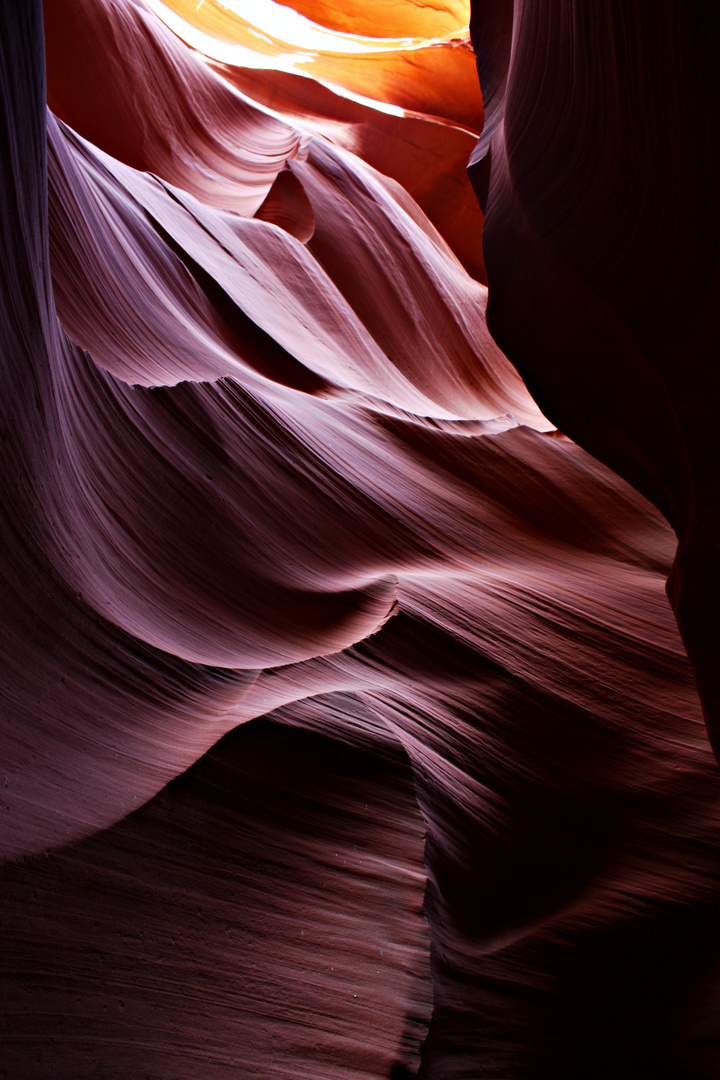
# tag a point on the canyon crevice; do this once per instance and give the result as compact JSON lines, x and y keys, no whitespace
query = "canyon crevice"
{"x":347,"y":729}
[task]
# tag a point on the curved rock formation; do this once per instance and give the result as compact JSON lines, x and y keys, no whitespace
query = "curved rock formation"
{"x":346,"y":729}
{"x":602,"y":247}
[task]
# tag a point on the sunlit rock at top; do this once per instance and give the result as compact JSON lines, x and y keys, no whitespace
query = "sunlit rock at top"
{"x":347,"y":731}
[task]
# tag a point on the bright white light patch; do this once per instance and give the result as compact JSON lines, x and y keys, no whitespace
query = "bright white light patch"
{"x":287,"y":25}
{"x":223,"y":51}
{"x":379,"y":106}
{"x":240,"y":56}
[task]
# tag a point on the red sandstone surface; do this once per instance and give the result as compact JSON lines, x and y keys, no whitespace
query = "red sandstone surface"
{"x":346,"y":728}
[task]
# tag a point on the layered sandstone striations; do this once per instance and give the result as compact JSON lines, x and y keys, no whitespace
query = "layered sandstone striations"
{"x":599,"y":171}
{"x":346,"y":729}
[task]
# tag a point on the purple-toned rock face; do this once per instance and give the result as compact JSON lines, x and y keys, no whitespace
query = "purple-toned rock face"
{"x":599,"y":171}
{"x":346,"y":730}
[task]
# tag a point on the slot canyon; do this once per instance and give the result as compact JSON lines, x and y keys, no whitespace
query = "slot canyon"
{"x":359,"y":634}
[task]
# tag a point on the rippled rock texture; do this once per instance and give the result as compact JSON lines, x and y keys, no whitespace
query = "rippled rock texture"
{"x":346,"y":727}
{"x":598,"y":168}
